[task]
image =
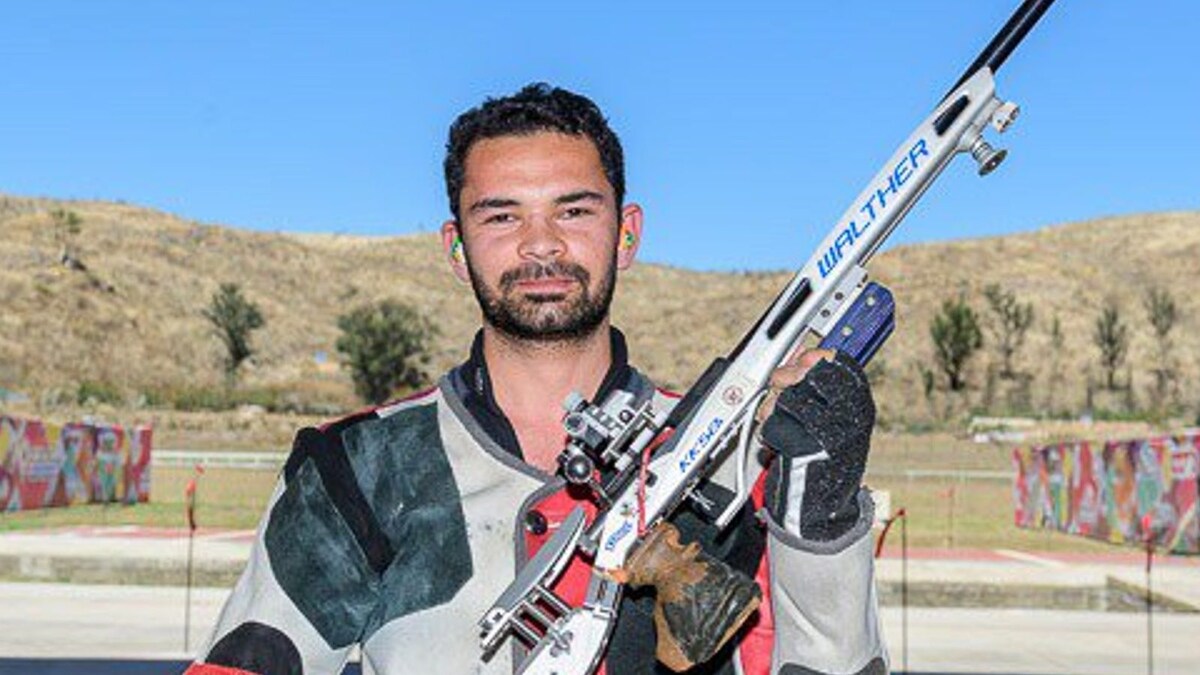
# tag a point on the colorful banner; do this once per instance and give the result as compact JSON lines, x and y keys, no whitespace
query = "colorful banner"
{"x":48,"y":465}
{"x":1113,"y":493}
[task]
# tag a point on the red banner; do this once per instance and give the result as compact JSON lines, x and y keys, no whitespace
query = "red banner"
{"x":49,"y":465}
{"x":1112,"y":493}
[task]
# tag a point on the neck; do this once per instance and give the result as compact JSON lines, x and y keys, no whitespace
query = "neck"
{"x":526,"y":375}
{"x":530,"y":380}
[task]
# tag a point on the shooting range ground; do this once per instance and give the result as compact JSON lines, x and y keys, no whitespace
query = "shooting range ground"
{"x":918,"y":470}
{"x":958,"y":493}
{"x":226,"y":499}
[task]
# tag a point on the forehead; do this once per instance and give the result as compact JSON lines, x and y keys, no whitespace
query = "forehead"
{"x":547,"y":162}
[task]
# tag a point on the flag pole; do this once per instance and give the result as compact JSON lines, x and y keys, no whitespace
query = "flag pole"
{"x":189,"y":494}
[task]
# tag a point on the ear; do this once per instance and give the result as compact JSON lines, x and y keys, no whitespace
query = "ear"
{"x":629,"y":235}
{"x":456,"y":253}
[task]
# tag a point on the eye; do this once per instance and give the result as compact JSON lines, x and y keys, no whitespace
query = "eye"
{"x":499,"y":219}
{"x":576,"y":212}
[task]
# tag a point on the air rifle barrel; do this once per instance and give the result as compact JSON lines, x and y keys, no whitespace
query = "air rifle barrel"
{"x":996,"y":52}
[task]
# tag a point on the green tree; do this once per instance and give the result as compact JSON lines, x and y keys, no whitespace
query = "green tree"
{"x":1010,"y":321}
{"x":386,"y":346}
{"x":67,"y":226}
{"x":1054,"y":374}
{"x":1163,"y":314}
{"x":233,"y":318}
{"x":956,"y":337}
{"x":1111,"y":337}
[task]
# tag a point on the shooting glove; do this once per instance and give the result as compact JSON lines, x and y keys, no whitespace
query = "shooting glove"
{"x":820,"y":431}
{"x":701,"y":602}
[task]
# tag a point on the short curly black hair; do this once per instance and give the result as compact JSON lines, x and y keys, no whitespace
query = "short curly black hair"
{"x":536,"y":107}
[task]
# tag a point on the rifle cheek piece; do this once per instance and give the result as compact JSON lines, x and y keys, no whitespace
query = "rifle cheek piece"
{"x":701,"y":602}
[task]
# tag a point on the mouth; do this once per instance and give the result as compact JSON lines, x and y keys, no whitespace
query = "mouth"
{"x":546,"y":286}
{"x":539,"y":283}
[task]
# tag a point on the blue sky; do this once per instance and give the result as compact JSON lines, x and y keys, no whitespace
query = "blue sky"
{"x":748,"y":129}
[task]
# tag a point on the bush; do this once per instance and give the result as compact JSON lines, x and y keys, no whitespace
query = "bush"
{"x":1110,"y":415}
{"x":385,"y":346}
{"x":233,"y":318}
{"x":295,"y":399}
{"x":956,"y":336}
{"x":192,"y":399}
{"x":1111,"y":337}
{"x":1010,"y":321}
{"x":91,"y":392}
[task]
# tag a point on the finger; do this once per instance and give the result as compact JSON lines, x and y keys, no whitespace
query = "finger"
{"x":785,"y":376}
{"x":790,"y":371}
{"x":794,"y":369}
{"x":767,"y":406}
{"x":811,"y":357}
{"x":798,"y":366}
{"x":794,"y":358}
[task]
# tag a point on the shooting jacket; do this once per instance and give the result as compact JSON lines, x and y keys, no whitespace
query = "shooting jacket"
{"x":396,"y":528}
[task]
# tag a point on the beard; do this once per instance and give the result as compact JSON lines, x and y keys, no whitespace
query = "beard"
{"x":546,"y":317}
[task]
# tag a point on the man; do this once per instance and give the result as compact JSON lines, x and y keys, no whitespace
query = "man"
{"x":396,"y":528}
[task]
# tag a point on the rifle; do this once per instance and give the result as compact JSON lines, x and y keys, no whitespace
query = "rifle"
{"x":829,"y":298}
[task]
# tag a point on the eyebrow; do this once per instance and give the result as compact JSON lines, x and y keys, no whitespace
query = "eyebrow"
{"x":504,"y":202}
{"x":492,"y":203}
{"x":579,"y":196}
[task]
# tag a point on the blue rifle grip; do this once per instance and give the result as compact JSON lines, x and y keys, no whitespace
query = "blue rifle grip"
{"x":864,"y":327}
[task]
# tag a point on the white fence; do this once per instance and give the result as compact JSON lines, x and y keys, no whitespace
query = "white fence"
{"x":225,"y":459}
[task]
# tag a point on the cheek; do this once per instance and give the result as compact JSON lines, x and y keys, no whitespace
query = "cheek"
{"x":485,"y":255}
{"x":594,"y":252}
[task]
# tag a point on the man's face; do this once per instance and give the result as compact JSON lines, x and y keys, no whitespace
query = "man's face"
{"x":542,"y":234}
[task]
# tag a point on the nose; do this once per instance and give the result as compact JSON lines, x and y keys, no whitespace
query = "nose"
{"x":541,"y":239}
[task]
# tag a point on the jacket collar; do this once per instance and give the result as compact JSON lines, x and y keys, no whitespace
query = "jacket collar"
{"x":473,"y":384}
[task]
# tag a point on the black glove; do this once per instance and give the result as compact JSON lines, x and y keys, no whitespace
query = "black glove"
{"x":830,"y":412}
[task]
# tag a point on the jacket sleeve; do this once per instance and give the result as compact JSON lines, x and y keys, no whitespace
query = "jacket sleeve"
{"x":312,"y":581}
{"x":824,"y":602}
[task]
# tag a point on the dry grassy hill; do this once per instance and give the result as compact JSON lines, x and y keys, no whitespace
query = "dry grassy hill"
{"x":1069,"y":271}
{"x":133,"y":320}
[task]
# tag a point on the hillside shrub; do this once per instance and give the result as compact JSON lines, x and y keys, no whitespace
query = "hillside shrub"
{"x":956,"y":337}
{"x":92,"y":392}
{"x":385,"y":345}
{"x":233,"y":318}
{"x":1163,"y":314}
{"x":1111,"y":337}
{"x":1010,"y":321}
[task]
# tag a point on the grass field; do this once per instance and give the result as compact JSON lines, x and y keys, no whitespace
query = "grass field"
{"x":976,"y":514}
{"x":959,"y":510}
{"x":225,"y":498}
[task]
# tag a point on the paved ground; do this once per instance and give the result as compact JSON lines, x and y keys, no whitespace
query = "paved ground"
{"x":935,"y":577}
{"x":123,"y":554}
{"x":1002,"y":577}
{"x":106,"y":621}
{"x":106,"y":667}
{"x":146,"y":623}
{"x":43,"y":619}
{"x":1041,"y":641}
